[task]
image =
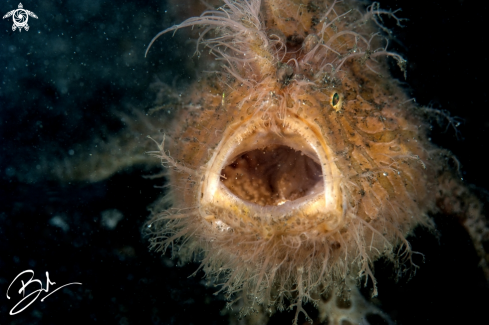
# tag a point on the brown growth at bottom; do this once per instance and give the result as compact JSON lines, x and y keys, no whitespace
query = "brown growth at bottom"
{"x":300,"y":161}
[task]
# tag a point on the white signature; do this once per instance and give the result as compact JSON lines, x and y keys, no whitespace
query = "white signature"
{"x":38,"y":291}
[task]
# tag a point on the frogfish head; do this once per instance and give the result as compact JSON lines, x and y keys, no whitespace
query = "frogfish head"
{"x":299,"y":161}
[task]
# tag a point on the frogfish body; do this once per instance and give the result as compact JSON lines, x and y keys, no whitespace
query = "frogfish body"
{"x":298,"y":160}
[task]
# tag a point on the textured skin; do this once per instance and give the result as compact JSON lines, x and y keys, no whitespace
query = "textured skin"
{"x":314,"y":75}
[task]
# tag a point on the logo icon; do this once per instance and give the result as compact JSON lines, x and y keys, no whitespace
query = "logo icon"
{"x":20,"y":17}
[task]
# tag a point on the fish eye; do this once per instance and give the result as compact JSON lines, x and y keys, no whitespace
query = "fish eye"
{"x":335,"y":100}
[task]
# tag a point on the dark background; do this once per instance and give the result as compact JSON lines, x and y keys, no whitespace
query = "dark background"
{"x":63,"y":81}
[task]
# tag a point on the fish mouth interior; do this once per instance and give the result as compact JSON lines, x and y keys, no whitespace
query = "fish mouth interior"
{"x":265,"y":173}
{"x":271,"y":169}
{"x":272,"y":175}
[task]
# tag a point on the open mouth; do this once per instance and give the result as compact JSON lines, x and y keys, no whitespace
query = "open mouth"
{"x":273,"y":175}
{"x":265,"y":173}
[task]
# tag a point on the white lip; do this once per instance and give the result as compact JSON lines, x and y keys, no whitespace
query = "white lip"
{"x":296,"y":134}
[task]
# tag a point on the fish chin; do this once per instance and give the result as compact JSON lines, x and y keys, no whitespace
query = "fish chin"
{"x":273,"y":201}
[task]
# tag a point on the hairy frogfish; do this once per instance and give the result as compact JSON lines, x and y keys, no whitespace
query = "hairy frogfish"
{"x":296,"y":160}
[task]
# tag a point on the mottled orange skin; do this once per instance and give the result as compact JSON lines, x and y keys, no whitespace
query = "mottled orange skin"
{"x":367,"y":135}
{"x":380,"y":168}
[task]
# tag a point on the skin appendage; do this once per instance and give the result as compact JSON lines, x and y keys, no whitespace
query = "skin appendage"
{"x":298,"y":161}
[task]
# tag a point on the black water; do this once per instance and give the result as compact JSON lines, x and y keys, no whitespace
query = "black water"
{"x":63,"y":81}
